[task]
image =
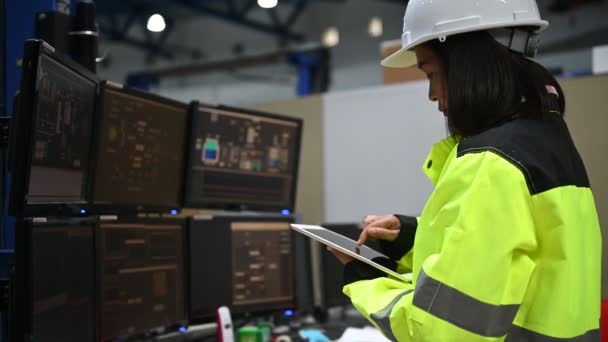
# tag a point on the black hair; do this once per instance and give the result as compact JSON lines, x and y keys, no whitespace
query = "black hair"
{"x":488,"y":84}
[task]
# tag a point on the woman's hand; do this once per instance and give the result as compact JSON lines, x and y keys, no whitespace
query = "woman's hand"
{"x":344,"y":258}
{"x":385,"y":227}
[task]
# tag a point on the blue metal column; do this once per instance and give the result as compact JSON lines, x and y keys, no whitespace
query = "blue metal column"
{"x":306,"y":64}
{"x":2,"y":56}
{"x":20,"y":19}
{"x":19,"y":25}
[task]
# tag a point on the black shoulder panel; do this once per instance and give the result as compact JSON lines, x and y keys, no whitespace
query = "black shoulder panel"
{"x":542,"y":150}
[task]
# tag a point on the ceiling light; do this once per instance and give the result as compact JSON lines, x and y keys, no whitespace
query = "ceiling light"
{"x":267,"y":3}
{"x":331,"y":37}
{"x":375,"y":27}
{"x":156,"y":23}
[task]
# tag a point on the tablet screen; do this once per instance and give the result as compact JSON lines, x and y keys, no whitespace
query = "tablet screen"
{"x":343,"y":242}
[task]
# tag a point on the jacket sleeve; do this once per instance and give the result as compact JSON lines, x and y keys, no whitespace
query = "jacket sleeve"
{"x":471,"y":288}
{"x":400,"y":250}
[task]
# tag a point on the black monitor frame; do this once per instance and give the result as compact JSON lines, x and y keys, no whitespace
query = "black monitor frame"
{"x":22,"y":290}
{"x":129,"y":208}
{"x":238,"y":312}
{"x":22,"y":136}
{"x":202,"y":203}
{"x":185,"y":273}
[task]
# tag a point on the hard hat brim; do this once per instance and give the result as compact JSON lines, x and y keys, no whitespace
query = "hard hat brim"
{"x":404,"y":58}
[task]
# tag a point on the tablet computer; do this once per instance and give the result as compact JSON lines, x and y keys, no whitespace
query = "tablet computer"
{"x":347,"y":246}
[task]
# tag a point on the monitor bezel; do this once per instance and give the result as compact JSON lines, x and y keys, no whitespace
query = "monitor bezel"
{"x":118,"y":208}
{"x":190,"y":202}
{"x":22,"y":296}
{"x":241,"y":311}
{"x":22,"y":136}
{"x":185,"y":270}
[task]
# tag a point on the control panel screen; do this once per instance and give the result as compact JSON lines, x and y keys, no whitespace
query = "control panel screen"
{"x":242,"y":160}
{"x":262,"y":263}
{"x":63,"y":280}
{"x":142,"y":278}
{"x":140,"y":152}
{"x":246,"y":264}
{"x":64,"y":109}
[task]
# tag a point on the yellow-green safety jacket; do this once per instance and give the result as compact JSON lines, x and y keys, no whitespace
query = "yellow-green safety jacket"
{"x":507,"y":248}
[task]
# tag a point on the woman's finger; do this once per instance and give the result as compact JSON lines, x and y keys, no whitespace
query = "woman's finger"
{"x":362,"y":237}
{"x":381,"y":233}
{"x":369,"y":219}
{"x":343,"y":258}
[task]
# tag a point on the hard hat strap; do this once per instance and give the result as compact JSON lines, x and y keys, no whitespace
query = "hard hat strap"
{"x":518,"y":40}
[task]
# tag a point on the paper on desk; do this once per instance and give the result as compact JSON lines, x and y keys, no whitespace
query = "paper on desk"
{"x":367,"y":334}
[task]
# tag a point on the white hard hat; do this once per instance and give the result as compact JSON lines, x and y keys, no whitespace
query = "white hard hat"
{"x":426,"y":20}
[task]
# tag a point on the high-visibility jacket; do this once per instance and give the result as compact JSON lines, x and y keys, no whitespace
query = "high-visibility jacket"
{"x":507,"y":248}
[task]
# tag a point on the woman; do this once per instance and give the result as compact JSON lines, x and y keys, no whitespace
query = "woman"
{"x":508,"y":246}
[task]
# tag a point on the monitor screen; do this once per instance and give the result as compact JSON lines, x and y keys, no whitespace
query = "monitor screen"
{"x":332,"y":271}
{"x":142,"y":284}
{"x":61,"y":134}
{"x":140,"y":151}
{"x":244,"y":264}
{"x":63,"y":282}
{"x":242,"y":160}
{"x":261,"y":263}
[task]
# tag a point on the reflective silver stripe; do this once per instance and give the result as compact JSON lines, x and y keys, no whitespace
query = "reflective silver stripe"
{"x":519,"y":334}
{"x":382,"y":318}
{"x":462,"y":310}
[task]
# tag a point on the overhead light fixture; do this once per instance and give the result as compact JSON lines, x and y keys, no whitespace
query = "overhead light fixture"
{"x":375,"y":28}
{"x":268,"y":3}
{"x":331,"y":37}
{"x":156,"y":23}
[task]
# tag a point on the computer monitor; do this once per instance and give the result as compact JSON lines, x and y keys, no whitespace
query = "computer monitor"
{"x":245,"y":263}
{"x":55,"y":282}
{"x":241,"y":159}
{"x":141,"y":263}
{"x":140,"y":155}
{"x":51,"y":133}
{"x":332,"y":271}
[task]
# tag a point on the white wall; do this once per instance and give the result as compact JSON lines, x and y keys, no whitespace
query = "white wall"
{"x":569,"y":61}
{"x":600,"y":59}
{"x":375,"y":142}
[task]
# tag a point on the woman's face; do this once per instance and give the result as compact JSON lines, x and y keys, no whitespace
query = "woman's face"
{"x":430,"y":63}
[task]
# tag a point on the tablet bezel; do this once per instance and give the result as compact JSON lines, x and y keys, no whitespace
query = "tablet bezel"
{"x":308,"y":231}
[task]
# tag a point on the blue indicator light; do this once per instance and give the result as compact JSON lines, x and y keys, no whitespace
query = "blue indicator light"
{"x":285,"y":212}
{"x":288,"y":313}
{"x":174,"y":212}
{"x":82,"y":211}
{"x":182,"y":329}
